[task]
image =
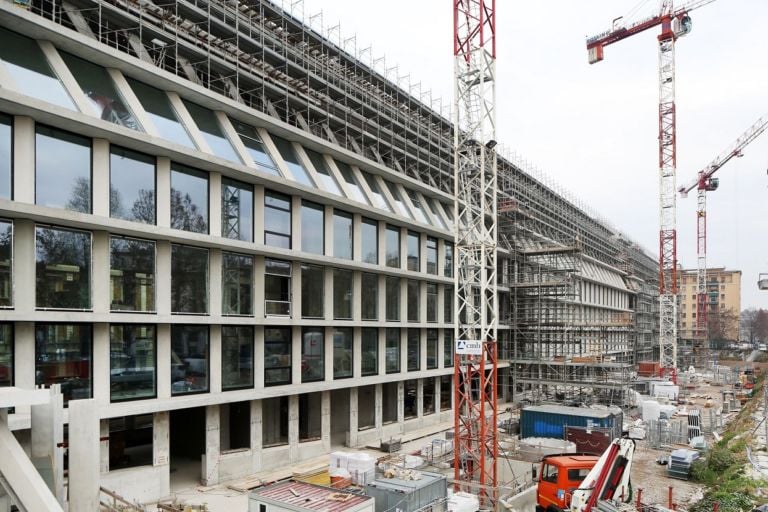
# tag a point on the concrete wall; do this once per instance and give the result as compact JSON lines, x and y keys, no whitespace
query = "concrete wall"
{"x":142,"y":484}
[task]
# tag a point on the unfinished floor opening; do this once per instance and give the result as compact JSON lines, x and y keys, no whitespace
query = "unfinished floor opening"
{"x":187,"y":446}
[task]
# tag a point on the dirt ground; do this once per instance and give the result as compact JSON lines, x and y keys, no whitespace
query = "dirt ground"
{"x":653,"y":480}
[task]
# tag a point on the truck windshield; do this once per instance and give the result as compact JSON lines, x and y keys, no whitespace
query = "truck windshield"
{"x":549,"y":474}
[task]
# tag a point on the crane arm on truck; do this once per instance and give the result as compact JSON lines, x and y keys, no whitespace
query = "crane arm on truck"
{"x":608,"y":479}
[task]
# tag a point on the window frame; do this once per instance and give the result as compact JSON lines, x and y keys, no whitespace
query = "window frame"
{"x":154,"y":190}
{"x":154,"y":350}
{"x":90,"y":170}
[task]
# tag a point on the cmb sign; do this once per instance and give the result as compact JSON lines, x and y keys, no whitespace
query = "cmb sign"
{"x":469,"y":347}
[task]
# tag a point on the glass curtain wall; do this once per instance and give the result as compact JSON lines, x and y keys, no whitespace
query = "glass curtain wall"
{"x":160,"y":112}
{"x":63,"y":268}
{"x":277,"y":356}
{"x":189,"y":199}
{"x":312,"y":354}
{"x":414,"y":252}
{"x":255,"y":147}
{"x":190,"y":363}
{"x":342,"y":353}
{"x":414,"y":350}
{"x":392,"y":246}
{"x":342,"y":294}
{"x":212,"y":132}
{"x":369,"y":241}
{"x":413,"y":300}
{"x":342,"y":235}
{"x":6,"y":354}
{"x":62,"y":170}
{"x":131,"y":186}
{"x":236,"y":210}
{"x":432,"y":346}
{"x":312,"y":291}
{"x":236,"y":284}
{"x":392,"y":296}
{"x":312,"y":227}
{"x":133,"y":362}
{"x":369,"y":351}
{"x":392,"y":347}
{"x":189,"y":280}
{"x":132,"y":274}
{"x":370,"y":296}
{"x":236,"y":357}
{"x":63,"y":356}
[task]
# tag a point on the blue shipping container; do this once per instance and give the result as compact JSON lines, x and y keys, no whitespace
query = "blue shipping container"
{"x":551,"y":420}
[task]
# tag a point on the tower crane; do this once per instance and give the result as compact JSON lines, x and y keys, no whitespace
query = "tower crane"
{"x":705,"y":182}
{"x":674,"y":23}
{"x":475,"y":191}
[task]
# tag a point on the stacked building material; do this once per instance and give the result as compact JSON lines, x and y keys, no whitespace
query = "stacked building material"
{"x":680,"y":462}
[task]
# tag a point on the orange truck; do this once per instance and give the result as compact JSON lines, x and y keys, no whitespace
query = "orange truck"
{"x":559,"y":476}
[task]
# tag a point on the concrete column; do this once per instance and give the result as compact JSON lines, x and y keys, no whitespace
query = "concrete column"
{"x":163,"y":196}
{"x":214,"y":215}
{"x":382,"y":359}
{"x":295,"y":290}
{"x":381,"y":237}
{"x":101,"y":362}
{"x":258,"y":214}
{"x":215,"y":358}
{"x":84,"y":431}
{"x":104,"y":447}
{"x":422,"y":302}
{"x":401,"y":404}
{"x":438,"y":384}
{"x":258,"y":357}
{"x":353,"y":416}
{"x":441,"y":305}
{"x":24,"y":356}
{"x":296,"y":359}
{"x":296,"y":223}
{"x":100,"y":277}
{"x":328,"y":231}
{"x":163,"y":361}
{"x":328,"y":293}
{"x":403,"y":350}
{"x":403,"y":248}
{"x":325,"y":419}
{"x":163,"y":281}
{"x":212,"y":445}
{"x":440,"y":257}
{"x":186,"y":119}
{"x":258,"y":290}
{"x":420,"y":398}
{"x":422,"y":253}
{"x":24,"y":266}
{"x":381,"y":303}
{"x":257,"y":440}
{"x":357,"y":221}
{"x":100,"y":185}
{"x":47,"y":433}
{"x":23,"y":160}
{"x":403,"y":300}
{"x":357,"y":352}
{"x":378,"y":405}
{"x":357,"y":296}
{"x":161,"y":439}
{"x":328,"y":353}
{"x":214,"y":282}
{"x":441,"y":348}
{"x":293,"y":428}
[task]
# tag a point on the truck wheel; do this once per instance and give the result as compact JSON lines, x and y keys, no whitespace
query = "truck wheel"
{"x":553,"y":508}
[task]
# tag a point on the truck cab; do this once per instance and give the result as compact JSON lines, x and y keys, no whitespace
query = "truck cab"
{"x":559,"y":476}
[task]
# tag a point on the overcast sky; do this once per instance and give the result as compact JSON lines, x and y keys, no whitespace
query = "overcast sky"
{"x":594,"y":128}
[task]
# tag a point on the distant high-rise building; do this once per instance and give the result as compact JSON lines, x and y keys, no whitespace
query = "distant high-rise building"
{"x":723,"y":295}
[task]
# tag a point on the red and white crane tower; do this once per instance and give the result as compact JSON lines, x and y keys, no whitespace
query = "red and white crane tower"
{"x":674,"y":23}
{"x":705,"y":182}
{"x":475,"y":192}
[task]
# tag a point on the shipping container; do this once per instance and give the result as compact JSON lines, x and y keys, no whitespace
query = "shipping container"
{"x":551,"y":420}
{"x":408,"y":495}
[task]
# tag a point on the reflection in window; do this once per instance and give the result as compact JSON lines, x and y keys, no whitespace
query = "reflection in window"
{"x":29,"y":68}
{"x":392,"y":346}
{"x":212,"y":133}
{"x":189,"y":359}
{"x":431,"y":255}
{"x":132,"y":362}
{"x":448,"y":347}
{"x":291,"y":159}
{"x":342,"y":235}
{"x":448,"y":304}
{"x":310,"y":417}
{"x":342,"y":294}
{"x":63,"y":268}
{"x":392,"y":246}
{"x":132,"y":274}
{"x":131,"y":186}
{"x":189,"y":280}
{"x":410,"y":399}
{"x":378,"y":198}
{"x":253,"y":143}
{"x":6,"y":263}
{"x":277,"y":355}
{"x":401,"y":206}
{"x":446,"y":392}
{"x":432,"y":341}
{"x":312,"y":354}
{"x":417,"y":207}
{"x":370,"y":296}
{"x":277,"y":220}
{"x":312,"y":294}
{"x":189,"y":199}
{"x":342,"y":353}
{"x":312,"y":227}
{"x":369,"y":351}
{"x":414,"y":350}
{"x":352,"y":185}
{"x":161,"y":113}
{"x":236,"y":210}
{"x":431,"y":302}
{"x":369,"y":241}
{"x":448,"y":260}
{"x":428,"y":392}
{"x":277,"y":287}
{"x":392,"y":296}
{"x":236,"y":357}
{"x":6,"y":152}
{"x":435,"y":213}
{"x":63,"y":356}
{"x":6,"y":354}
{"x":323,"y":172}
{"x":62,"y":170}
{"x":413,"y":300}
{"x":97,"y":85}
{"x":414,"y":251}
{"x":236,"y":284}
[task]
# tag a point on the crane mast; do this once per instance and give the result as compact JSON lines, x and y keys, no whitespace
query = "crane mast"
{"x":475,"y":191}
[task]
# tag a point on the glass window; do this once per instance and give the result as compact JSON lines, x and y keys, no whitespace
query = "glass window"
{"x":431,"y":302}
{"x":342,"y":353}
{"x":312,"y":354}
{"x":392,"y":345}
{"x":189,"y":199}
{"x":131,"y":274}
{"x":414,"y":252}
{"x":277,"y":220}
{"x":416,"y":202}
{"x":369,"y":348}
{"x":414,"y":350}
{"x":189,"y":359}
{"x":413,"y":300}
{"x":277,"y":287}
{"x":236,"y":357}
{"x":342,"y":235}
{"x":6,"y":354}
{"x":370,"y":296}
{"x":312,"y":291}
{"x":29,"y":68}
{"x":310,"y":417}
{"x":323,"y":172}
{"x":189,"y":280}
{"x":212,"y":133}
{"x":236,"y":210}
{"x":63,"y":356}
{"x":131,"y":186}
{"x":401,"y":206}
{"x":312,"y":227}
{"x":342,"y":294}
{"x":431,"y":255}
{"x":369,"y":241}
{"x":410,"y":398}
{"x":6,"y":264}
{"x":236,"y":284}
{"x":106,"y":101}
{"x":277,"y":355}
{"x":291,"y":159}
{"x":428,"y":392}
{"x":252,"y":142}
{"x":132,"y":362}
{"x":159,"y":110}
{"x":6,"y":154}
{"x":63,"y":268}
{"x":433,"y":208}
{"x":62,"y":170}
{"x":393,"y":246}
{"x":392,"y":293}
{"x":432,"y":341}
{"x":448,"y":262}
{"x":446,"y":392}
{"x":448,"y":347}
{"x":352,"y":184}
{"x":448,"y":304}
{"x":378,"y":198}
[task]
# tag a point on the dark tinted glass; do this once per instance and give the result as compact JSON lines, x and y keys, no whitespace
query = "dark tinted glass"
{"x":431,"y":256}
{"x":414,"y":252}
{"x":414,"y":350}
{"x":253,"y":143}
{"x":369,"y":241}
{"x":236,"y":284}
{"x":189,"y":199}
{"x":291,"y":159}
{"x":63,"y":356}
{"x":277,"y":355}
{"x":189,"y":280}
{"x":342,"y":353}
{"x":6,"y":153}
{"x":161,"y":113}
{"x":370,"y":296}
{"x":132,"y":274}
{"x":392,"y":295}
{"x":393,"y":246}
{"x":432,"y":342}
{"x":277,"y":220}
{"x":236,"y":210}
{"x":6,"y":355}
{"x":236,"y":357}
{"x":312,"y":354}
{"x":62,"y":170}
{"x":63,"y":273}
{"x":6,"y":264}
{"x":369,"y":351}
{"x":312,"y":295}
{"x":189,"y":359}
{"x":413,"y":301}
{"x":132,"y":362}
{"x":342,"y":294}
{"x":392,"y":359}
{"x":342,"y":235}
{"x":431,"y":302}
{"x":131,"y":186}
{"x":211,"y":130}
{"x":312,"y":227}
{"x":448,"y":348}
